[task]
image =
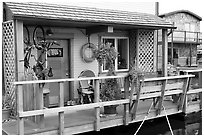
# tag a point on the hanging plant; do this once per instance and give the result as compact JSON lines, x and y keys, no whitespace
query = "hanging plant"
{"x":135,"y":74}
{"x":106,"y":54}
{"x":110,"y":89}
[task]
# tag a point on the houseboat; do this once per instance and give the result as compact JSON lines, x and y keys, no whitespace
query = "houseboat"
{"x":44,"y":105}
{"x":184,"y":41}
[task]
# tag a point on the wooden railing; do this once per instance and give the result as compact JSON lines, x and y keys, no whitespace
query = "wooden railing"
{"x":163,"y":86}
{"x":186,"y":36}
{"x":198,"y":88}
{"x":129,"y":99}
{"x":61,"y":109}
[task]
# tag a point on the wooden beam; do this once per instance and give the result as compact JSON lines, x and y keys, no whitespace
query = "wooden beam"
{"x":97,"y":109}
{"x":64,"y":80}
{"x":93,"y":78}
{"x":131,"y":96}
{"x":40,"y":104}
{"x":138,"y":87}
{"x":172,"y":47}
{"x":183,"y":101}
{"x":19,"y":103}
{"x":19,"y":46}
{"x":158,"y":94}
{"x":200,"y":86}
{"x":190,"y":54}
{"x":161,"y":99}
{"x":168,"y":78}
{"x":194,"y":91}
{"x":126,"y":106}
{"x":61,"y":104}
{"x":71,"y":109}
{"x":188,"y":71}
{"x":164,"y":52}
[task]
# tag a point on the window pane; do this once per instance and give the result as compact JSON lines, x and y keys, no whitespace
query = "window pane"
{"x":122,"y":54}
{"x":112,"y":44}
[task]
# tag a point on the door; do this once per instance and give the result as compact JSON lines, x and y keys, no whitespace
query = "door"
{"x":58,"y":58}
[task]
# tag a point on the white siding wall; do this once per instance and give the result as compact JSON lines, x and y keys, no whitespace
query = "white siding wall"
{"x":78,"y":64}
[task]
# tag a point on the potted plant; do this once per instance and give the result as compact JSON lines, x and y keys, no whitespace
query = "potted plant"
{"x":110,"y":89}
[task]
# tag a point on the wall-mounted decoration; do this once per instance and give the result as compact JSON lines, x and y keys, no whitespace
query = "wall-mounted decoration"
{"x":87,"y":52}
{"x":55,"y":52}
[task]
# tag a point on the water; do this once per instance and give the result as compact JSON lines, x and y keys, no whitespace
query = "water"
{"x":190,"y":125}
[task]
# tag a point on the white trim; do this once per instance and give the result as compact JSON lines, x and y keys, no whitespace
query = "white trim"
{"x":116,"y":47}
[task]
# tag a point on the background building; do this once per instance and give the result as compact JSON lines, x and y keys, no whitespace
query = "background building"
{"x":183,"y":41}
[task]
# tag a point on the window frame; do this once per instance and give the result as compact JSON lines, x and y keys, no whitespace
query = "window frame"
{"x":116,"y":47}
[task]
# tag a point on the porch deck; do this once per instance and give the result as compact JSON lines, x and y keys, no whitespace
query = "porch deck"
{"x":89,"y":117}
{"x":83,"y":120}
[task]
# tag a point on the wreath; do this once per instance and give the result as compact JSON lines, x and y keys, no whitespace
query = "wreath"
{"x":83,"y":50}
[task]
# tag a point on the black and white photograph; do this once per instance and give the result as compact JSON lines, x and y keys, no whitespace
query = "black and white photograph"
{"x":106,"y":67}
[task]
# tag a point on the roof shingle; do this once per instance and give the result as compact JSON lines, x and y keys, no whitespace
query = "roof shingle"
{"x":74,"y":13}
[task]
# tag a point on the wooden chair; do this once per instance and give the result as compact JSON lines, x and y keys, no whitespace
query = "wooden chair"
{"x":86,"y":90}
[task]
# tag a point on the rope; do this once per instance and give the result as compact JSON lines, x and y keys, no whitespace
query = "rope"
{"x":168,"y":121}
{"x":143,"y":120}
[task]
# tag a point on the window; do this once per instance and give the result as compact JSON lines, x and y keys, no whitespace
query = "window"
{"x":122,"y":47}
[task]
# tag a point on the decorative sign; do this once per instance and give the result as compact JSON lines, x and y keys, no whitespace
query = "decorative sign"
{"x":55,"y":52}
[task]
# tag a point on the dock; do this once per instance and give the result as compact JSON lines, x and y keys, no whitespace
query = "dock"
{"x":82,"y":118}
{"x":83,"y":121}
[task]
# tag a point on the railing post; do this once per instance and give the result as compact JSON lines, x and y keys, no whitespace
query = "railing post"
{"x":126,"y":106}
{"x":40,"y":105}
{"x":131,"y":96}
{"x":138,"y":86}
{"x":172,"y":47}
{"x":164,"y":52}
{"x":61,"y":104}
{"x":200,"y":86}
{"x":19,"y":101}
{"x":183,"y":101}
{"x":184,"y":36}
{"x":161,"y":98}
{"x":97,"y":109}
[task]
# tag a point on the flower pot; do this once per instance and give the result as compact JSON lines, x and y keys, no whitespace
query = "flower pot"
{"x":6,"y":114}
{"x":110,"y":110}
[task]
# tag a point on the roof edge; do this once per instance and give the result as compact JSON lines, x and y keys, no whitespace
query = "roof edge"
{"x":181,"y":11}
{"x":138,"y":21}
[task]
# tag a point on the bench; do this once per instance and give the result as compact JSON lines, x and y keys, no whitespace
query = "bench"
{"x":157,"y":89}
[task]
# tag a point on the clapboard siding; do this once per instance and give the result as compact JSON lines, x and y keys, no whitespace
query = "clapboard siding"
{"x":78,"y":65}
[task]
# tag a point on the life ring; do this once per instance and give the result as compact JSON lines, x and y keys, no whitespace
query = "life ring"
{"x":86,"y":49}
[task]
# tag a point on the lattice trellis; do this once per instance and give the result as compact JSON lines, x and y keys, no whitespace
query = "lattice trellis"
{"x":9,"y":60}
{"x":132,"y":47}
{"x":146,"y":50}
